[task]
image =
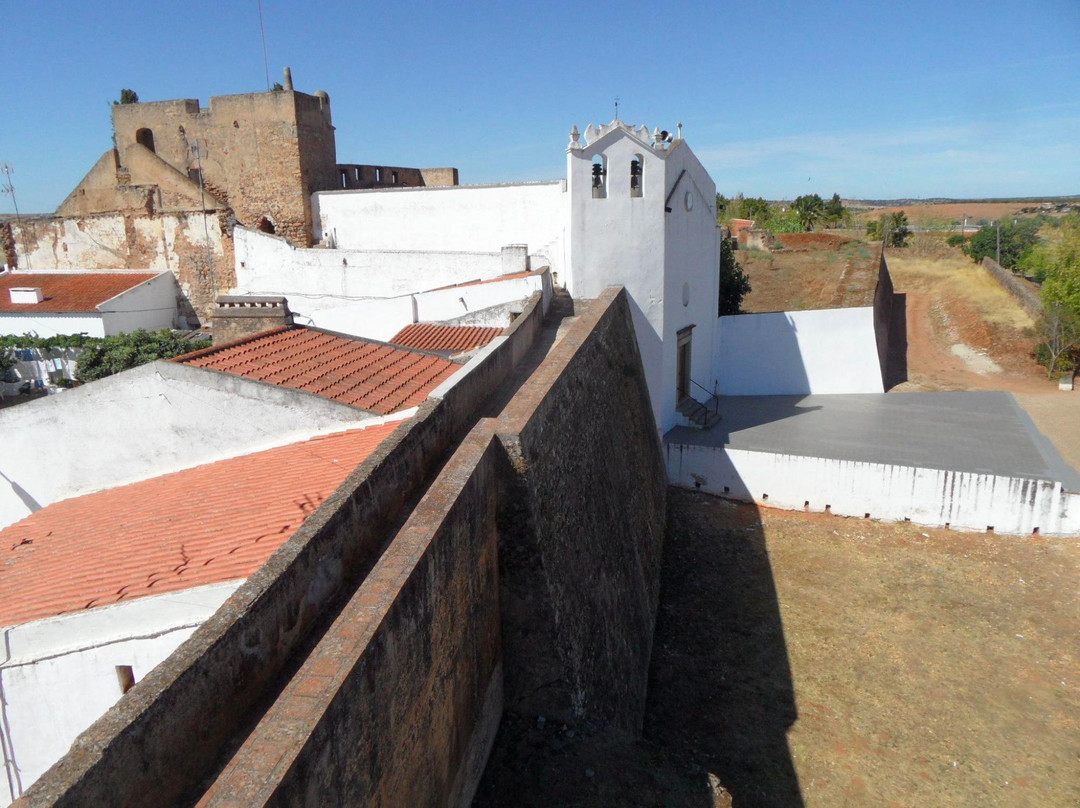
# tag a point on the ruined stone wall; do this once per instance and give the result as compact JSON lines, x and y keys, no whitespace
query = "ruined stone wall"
{"x":175,"y":242}
{"x":262,"y":154}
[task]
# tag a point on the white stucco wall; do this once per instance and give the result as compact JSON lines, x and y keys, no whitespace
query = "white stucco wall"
{"x":150,"y":305}
{"x":469,"y":218}
{"x":382,"y":318}
{"x":45,"y":324}
{"x":691,"y":274}
{"x":317,"y":278}
{"x":851,"y":488}
{"x":58,"y":676}
{"x":87,"y":438}
{"x":632,"y":241}
{"x":786,"y":353}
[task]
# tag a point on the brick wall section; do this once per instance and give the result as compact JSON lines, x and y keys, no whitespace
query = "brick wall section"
{"x":1027,"y":298}
{"x":883,"y":313}
{"x":582,"y":536}
{"x":157,"y":739}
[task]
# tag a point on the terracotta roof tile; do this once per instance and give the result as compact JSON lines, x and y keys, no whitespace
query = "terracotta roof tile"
{"x":206,"y":525}
{"x":452,"y":338}
{"x":370,"y":375}
{"x":68,"y":292}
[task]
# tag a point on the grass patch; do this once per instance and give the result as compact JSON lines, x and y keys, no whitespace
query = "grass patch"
{"x":959,"y":277}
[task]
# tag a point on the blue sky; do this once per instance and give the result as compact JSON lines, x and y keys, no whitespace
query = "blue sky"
{"x":867,"y":99}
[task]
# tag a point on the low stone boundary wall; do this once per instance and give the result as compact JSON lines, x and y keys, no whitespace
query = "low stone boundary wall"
{"x":927,"y":496}
{"x":1022,"y":294}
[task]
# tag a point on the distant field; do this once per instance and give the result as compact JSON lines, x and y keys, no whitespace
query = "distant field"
{"x":957,"y":211}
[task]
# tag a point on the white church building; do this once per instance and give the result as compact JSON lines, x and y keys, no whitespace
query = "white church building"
{"x":635,"y":209}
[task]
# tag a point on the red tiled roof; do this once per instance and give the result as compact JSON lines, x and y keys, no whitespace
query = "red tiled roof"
{"x":68,"y":292}
{"x":370,"y":375}
{"x":206,"y":525}
{"x":453,"y":338}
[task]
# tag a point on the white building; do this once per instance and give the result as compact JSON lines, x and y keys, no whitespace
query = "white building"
{"x":98,"y":304}
{"x":645,"y":220}
{"x":96,"y":590}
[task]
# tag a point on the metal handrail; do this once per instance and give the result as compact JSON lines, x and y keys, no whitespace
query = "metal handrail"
{"x":712,"y":394}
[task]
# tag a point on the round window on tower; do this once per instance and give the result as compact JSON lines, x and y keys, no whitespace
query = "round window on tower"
{"x":689,"y":200}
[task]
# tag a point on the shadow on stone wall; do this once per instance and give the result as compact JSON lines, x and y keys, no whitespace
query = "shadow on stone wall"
{"x":721,"y":698}
{"x":721,"y":695}
{"x":896,"y":370}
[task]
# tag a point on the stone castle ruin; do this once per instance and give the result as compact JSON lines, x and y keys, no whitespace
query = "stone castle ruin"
{"x":180,"y":175}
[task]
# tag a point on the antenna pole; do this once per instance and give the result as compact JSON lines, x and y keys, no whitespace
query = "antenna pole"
{"x":9,"y":189}
{"x":266,"y":62}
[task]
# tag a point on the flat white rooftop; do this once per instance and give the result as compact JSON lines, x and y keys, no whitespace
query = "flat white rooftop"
{"x":981,"y":432}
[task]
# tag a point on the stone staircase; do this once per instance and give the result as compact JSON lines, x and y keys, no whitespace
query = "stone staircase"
{"x":696,"y":415}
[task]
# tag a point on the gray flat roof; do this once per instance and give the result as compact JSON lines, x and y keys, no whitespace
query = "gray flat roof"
{"x":982,"y":432}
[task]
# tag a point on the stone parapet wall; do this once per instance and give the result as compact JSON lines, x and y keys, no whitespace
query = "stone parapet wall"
{"x":581,"y":533}
{"x":231,"y":664}
{"x":399,"y":630}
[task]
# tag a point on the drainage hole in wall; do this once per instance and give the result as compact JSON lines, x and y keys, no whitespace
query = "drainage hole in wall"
{"x":1034,"y":531}
{"x":806,"y":505}
{"x":828,"y":509}
{"x":764,"y":497}
{"x":989,"y":528}
{"x":727,"y":490}
{"x":946,"y":525}
{"x":866,"y":516}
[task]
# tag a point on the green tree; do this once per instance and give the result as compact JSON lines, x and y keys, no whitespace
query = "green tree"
{"x":734,"y":283}
{"x":124,"y":351}
{"x":128,"y":97}
{"x":1059,"y":329}
{"x":1062,"y":284}
{"x":892,"y":229}
{"x":809,"y":208}
{"x":834,"y":211}
{"x":1017,"y":237}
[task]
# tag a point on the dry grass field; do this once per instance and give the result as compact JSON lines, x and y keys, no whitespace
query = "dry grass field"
{"x":818,"y":661}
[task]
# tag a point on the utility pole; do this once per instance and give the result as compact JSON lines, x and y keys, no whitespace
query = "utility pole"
{"x":999,"y":242}
{"x":9,"y":189}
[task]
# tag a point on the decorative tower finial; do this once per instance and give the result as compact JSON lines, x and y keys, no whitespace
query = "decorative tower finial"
{"x":680,"y":130}
{"x":575,"y":139}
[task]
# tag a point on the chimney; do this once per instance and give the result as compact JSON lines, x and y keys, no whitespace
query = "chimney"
{"x":26,"y":294}
{"x":288,"y":79}
{"x":242,"y":316}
